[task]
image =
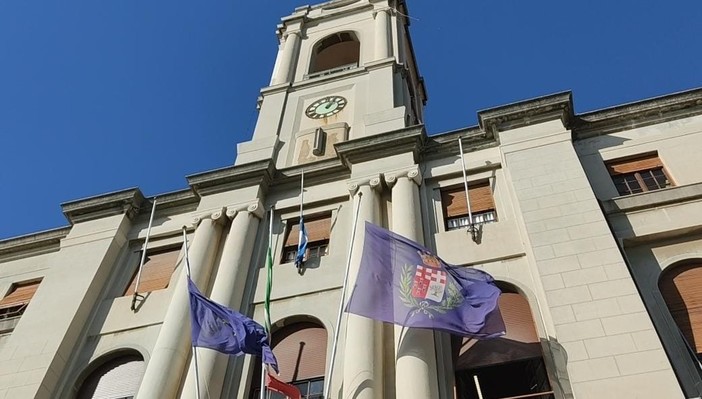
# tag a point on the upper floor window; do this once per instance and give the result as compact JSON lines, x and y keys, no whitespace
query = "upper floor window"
{"x":334,"y":53}
{"x":156,"y":273}
{"x":638,"y":174}
{"x":13,"y":305}
{"x":455,"y":207}
{"x":318,"y":229}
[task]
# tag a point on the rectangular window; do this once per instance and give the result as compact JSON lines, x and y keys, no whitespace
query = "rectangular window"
{"x":455,"y":208}
{"x":156,"y":273}
{"x":318,"y":228}
{"x":13,"y":305}
{"x":638,"y":174}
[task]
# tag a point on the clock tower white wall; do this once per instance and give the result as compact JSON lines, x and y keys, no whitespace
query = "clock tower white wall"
{"x":355,"y":50}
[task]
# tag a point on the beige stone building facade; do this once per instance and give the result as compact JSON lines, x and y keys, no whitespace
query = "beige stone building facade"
{"x":590,"y":223}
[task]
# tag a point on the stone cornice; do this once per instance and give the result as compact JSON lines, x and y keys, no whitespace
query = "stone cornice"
{"x":529,"y":112}
{"x":232,"y":177}
{"x":445,"y":144}
{"x":640,"y":113}
{"x":127,"y":201}
{"x":382,"y":145}
{"x":175,"y":199}
{"x":41,"y":242}
{"x":315,"y":173}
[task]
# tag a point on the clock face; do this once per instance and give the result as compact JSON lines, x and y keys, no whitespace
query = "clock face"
{"x":325,"y":107}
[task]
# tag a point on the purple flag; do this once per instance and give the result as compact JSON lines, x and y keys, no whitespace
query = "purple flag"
{"x":217,"y":327}
{"x":401,"y":282}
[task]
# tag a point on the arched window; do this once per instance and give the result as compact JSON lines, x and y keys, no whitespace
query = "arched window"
{"x":681,"y":287}
{"x":117,"y":377}
{"x":301,"y":350}
{"x":506,"y":367}
{"x":334,"y":53}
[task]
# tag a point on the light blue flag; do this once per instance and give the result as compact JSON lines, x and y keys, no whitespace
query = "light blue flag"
{"x":301,"y":245}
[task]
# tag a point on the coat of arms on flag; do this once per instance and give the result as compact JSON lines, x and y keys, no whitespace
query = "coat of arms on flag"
{"x":402,"y":282}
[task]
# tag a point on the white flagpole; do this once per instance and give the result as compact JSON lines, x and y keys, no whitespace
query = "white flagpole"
{"x":143,"y":256}
{"x":327,"y":385}
{"x":267,"y":316}
{"x":187,"y":270}
{"x":302,"y":200}
{"x":465,"y":185}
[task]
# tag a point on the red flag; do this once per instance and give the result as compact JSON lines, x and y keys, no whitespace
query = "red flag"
{"x":279,"y":386}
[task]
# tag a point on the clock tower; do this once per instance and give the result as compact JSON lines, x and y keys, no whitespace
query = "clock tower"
{"x":345,"y":69}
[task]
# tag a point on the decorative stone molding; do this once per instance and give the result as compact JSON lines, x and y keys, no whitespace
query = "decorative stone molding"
{"x":352,"y":187}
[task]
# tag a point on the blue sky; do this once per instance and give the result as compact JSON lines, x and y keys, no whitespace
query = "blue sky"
{"x":98,"y":96}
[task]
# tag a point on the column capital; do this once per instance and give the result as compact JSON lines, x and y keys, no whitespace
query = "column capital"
{"x":291,"y":33}
{"x":256,"y":209}
{"x":217,"y":216}
{"x":413,"y":174}
{"x":387,"y":10}
{"x":374,"y":182}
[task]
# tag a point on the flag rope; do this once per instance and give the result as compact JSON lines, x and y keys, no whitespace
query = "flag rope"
{"x":143,"y":256}
{"x":267,"y":299}
{"x":471,"y":226}
{"x":187,"y":270}
{"x":327,"y":385}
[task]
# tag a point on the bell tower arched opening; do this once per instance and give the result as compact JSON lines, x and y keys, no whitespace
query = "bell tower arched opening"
{"x":338,"y":51}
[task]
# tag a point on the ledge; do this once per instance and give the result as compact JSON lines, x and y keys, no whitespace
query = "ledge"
{"x":529,"y":112}
{"x":653,"y":199}
{"x":127,"y":201}
{"x":382,"y":145}
{"x":232,"y":177}
{"x":446,"y":144}
{"x":641,"y":113}
{"x":318,"y":172}
{"x":39,"y":242}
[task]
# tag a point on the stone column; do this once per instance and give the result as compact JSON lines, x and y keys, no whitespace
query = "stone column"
{"x":172,"y":349}
{"x":363,"y":344}
{"x":228,"y":290}
{"x":382,"y":34}
{"x":415,"y":367}
{"x":286,"y":68}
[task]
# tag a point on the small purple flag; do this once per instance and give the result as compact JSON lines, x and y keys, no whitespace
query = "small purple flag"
{"x":401,"y":282}
{"x":217,"y":327}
